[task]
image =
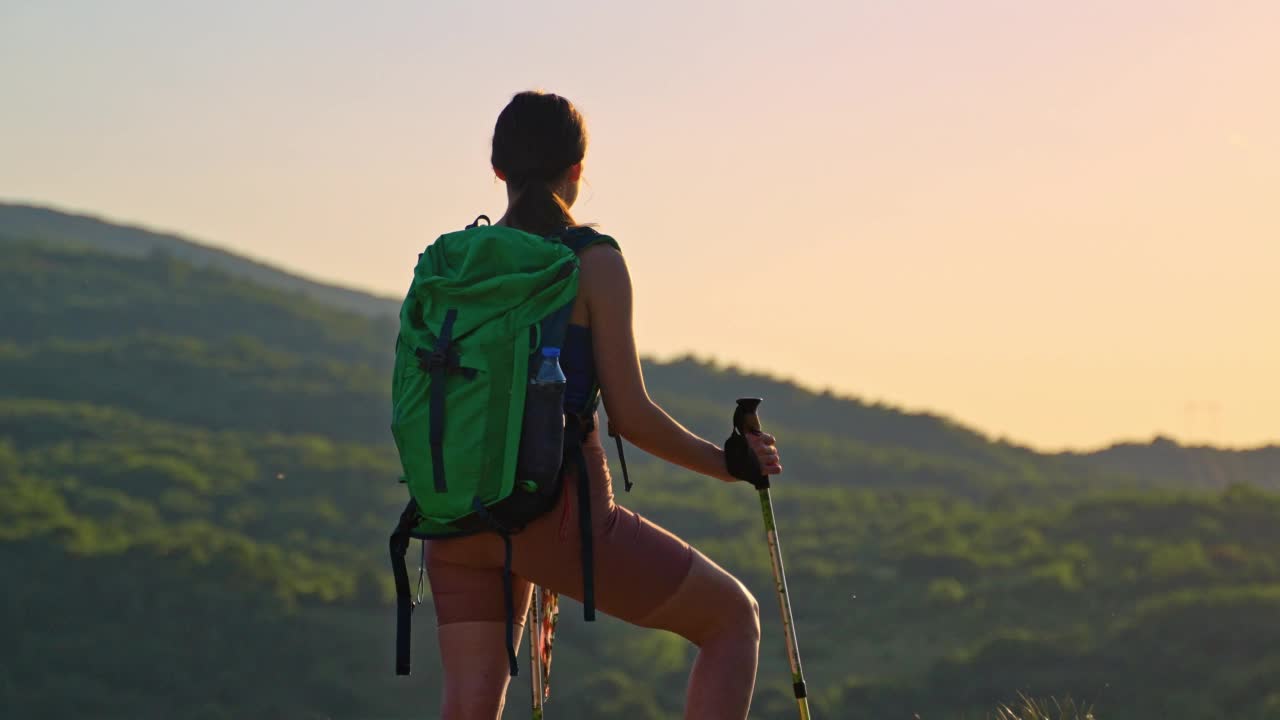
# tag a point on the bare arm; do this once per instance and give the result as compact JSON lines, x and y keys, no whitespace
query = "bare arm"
{"x":606,"y":286}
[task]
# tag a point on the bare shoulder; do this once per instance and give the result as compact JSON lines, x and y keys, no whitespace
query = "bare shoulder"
{"x":603,"y":267}
{"x":602,"y":283}
{"x":601,"y":254}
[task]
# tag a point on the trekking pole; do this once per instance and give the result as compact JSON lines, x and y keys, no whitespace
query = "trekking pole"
{"x":544,"y":613}
{"x":535,"y":652}
{"x":746,"y":421}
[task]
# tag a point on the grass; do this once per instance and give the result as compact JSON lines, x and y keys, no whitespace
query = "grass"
{"x":1051,"y":709}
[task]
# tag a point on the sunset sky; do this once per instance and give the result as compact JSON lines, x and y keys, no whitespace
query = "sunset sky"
{"x":1058,"y":223}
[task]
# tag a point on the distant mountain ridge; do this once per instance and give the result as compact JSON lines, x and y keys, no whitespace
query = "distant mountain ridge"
{"x":1187,"y":465}
{"x":1162,"y":461}
{"x":35,"y":223}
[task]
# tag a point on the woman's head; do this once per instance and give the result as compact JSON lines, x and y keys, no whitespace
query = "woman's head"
{"x":538,"y":146}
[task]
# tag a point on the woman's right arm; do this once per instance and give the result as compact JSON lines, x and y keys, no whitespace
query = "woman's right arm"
{"x":606,"y":285}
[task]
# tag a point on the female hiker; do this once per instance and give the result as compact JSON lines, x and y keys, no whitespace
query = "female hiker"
{"x":643,"y":574}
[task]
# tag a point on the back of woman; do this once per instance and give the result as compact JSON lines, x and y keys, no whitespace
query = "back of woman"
{"x":638,"y":572}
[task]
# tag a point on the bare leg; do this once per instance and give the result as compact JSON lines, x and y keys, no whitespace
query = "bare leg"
{"x":476,"y":674}
{"x":713,"y":610}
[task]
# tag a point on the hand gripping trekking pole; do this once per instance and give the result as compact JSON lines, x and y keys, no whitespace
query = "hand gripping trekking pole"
{"x":746,"y":421}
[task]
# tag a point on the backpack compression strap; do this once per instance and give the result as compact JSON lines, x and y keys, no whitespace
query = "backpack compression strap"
{"x":440,"y":362}
{"x":508,"y":594}
{"x":576,"y":429}
{"x":399,"y":545}
{"x":622,"y":459}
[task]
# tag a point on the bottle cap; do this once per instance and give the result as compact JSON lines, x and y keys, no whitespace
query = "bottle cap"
{"x":548,"y":352}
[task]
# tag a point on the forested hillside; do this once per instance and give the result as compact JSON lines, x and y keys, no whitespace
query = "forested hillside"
{"x":30,"y":222}
{"x":197,"y":481}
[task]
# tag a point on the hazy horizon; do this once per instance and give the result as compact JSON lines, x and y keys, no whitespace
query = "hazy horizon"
{"x":1056,"y":225}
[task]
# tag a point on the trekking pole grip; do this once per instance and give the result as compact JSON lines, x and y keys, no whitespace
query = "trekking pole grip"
{"x":742,"y":462}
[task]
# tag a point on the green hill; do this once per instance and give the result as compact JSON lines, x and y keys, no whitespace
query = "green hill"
{"x":31,"y":222}
{"x":1166,"y":461}
{"x":196,"y":484}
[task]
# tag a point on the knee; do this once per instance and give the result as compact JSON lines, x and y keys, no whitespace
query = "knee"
{"x":741,"y":615}
{"x":753,"y":613}
{"x":475,"y":693}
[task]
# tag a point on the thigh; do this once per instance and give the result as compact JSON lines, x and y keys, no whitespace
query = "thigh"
{"x":707,"y":599}
{"x":466,"y":576}
{"x":638,"y":564}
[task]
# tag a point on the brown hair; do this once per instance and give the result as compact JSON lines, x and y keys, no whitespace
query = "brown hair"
{"x":537,"y":138}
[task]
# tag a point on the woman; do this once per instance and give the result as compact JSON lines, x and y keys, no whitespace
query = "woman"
{"x":643,"y":574}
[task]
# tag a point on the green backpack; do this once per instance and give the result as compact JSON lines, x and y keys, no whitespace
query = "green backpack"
{"x":484,"y":303}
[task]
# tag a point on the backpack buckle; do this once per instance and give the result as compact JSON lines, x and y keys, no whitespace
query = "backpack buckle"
{"x":446,"y":360}
{"x":443,"y":359}
{"x":577,"y":428}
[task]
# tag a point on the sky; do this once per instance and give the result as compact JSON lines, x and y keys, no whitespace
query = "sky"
{"x":1056,"y":223}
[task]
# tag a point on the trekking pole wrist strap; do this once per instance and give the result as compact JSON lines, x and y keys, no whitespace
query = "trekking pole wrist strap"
{"x":739,"y":459}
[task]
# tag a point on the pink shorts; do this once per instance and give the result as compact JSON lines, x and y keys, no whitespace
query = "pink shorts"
{"x":638,"y":564}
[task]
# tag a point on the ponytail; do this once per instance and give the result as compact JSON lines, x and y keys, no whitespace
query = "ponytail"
{"x":538,"y":209}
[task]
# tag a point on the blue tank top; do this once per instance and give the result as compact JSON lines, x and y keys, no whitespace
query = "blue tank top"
{"x":579,"y":367}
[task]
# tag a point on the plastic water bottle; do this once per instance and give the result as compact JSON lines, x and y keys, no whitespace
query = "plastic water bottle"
{"x":549,"y":373}
{"x":542,"y":437}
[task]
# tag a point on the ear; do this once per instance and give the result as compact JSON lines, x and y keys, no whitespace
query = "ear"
{"x":574,"y":173}
{"x":501,"y":175}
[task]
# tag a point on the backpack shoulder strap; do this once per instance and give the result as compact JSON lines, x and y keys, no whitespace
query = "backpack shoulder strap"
{"x":581,"y":237}
{"x":577,"y":239}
